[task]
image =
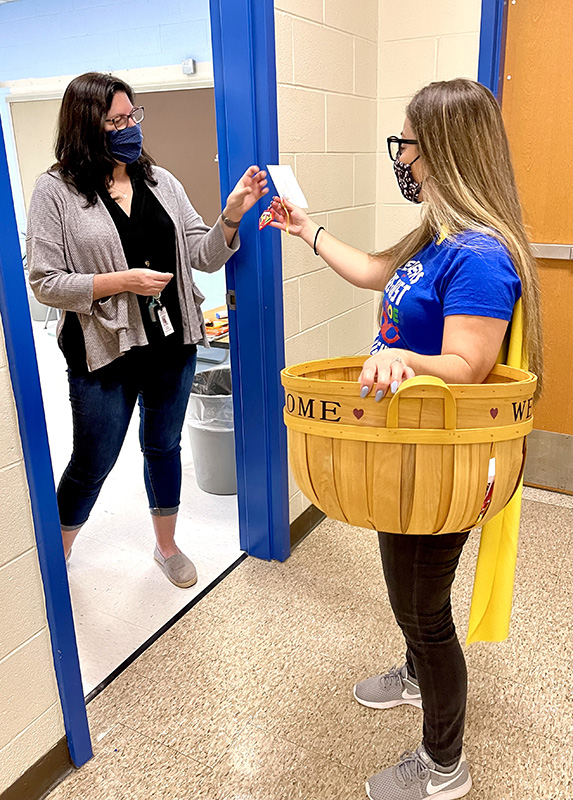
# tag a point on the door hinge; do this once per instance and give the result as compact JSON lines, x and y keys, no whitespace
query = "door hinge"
{"x":231,"y":300}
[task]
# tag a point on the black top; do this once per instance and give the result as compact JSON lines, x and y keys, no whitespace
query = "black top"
{"x":148,"y":241}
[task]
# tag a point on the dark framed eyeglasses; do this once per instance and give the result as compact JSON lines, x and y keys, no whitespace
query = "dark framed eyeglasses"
{"x":121,"y":121}
{"x":395,"y":146}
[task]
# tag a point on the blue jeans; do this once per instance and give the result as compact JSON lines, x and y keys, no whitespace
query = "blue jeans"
{"x":102,"y":406}
{"x":419,"y":572}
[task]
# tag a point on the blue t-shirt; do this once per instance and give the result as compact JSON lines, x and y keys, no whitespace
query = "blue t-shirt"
{"x":473,"y":275}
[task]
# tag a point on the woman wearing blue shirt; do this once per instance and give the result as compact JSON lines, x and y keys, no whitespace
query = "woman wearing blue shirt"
{"x":449,"y":288}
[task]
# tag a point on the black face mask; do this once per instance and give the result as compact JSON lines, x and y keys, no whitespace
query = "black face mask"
{"x":408,"y":186}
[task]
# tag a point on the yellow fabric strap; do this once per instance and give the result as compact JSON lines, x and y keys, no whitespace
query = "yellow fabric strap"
{"x":492,"y":595}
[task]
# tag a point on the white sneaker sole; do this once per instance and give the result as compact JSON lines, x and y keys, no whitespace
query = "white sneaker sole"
{"x":415,"y":701}
{"x":450,"y":794}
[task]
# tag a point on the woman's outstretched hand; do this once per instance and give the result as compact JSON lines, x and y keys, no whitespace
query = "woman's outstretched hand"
{"x":296,"y":222}
{"x":385,"y":370}
{"x":248,"y":191}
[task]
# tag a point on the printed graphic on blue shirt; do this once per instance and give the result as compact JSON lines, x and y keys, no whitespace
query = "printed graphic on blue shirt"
{"x":472,"y":275}
{"x":395,"y":290}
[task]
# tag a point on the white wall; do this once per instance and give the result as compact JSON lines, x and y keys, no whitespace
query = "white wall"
{"x":327,"y":84}
{"x":345,"y":73}
{"x":30,"y":717}
{"x":419,"y":42}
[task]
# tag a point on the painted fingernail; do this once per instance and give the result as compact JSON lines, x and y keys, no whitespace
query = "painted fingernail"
{"x":394,"y":387}
{"x":379,"y":395}
{"x":364,"y":391}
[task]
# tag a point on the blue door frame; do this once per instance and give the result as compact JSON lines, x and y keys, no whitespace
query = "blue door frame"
{"x":245,"y":101}
{"x":245,"y":92}
{"x":28,"y":397}
{"x":492,"y":45}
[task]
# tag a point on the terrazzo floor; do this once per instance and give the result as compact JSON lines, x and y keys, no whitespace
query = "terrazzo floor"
{"x":249,"y":695}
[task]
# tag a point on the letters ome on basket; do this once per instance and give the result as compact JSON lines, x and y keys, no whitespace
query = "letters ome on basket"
{"x":327,"y":410}
{"x":333,"y":411}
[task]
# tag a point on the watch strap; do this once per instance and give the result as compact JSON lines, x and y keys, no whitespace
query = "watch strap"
{"x":229,"y":222}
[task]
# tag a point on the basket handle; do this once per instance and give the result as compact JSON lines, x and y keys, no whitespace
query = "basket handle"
{"x":419,"y":387}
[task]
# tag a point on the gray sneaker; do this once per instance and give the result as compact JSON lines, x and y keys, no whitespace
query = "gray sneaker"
{"x":416,"y":777}
{"x":386,"y":691}
{"x":179,"y":569}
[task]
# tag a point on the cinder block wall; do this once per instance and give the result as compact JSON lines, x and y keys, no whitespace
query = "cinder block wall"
{"x":418,"y":42}
{"x":327,"y":89}
{"x":345,"y":74}
{"x":30,"y":717}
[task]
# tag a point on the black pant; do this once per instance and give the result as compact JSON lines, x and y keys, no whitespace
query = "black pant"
{"x":419,"y":572}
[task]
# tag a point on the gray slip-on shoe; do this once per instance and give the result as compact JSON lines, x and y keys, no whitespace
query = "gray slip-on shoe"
{"x":179,"y":569}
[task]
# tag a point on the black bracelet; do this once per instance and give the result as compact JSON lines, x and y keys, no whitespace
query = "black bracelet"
{"x":322,"y":228}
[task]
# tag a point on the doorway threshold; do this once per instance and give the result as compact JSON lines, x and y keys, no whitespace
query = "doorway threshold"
{"x":163,"y":629}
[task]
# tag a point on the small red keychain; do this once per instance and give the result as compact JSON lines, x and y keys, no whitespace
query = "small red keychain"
{"x":269,"y":215}
{"x":266,"y":218}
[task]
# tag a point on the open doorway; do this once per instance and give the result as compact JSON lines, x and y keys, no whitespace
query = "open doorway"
{"x":119,"y":595}
{"x":245,"y":95}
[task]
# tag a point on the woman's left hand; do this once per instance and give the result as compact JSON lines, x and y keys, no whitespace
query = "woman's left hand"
{"x":386,"y":369}
{"x":248,"y":191}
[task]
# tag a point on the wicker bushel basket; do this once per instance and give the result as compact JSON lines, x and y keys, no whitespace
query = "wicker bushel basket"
{"x":430,"y":459}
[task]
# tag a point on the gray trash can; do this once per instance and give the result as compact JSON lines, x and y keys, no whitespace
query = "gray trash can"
{"x":211,"y":431}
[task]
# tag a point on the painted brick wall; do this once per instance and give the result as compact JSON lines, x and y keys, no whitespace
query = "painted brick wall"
{"x":326,"y":72}
{"x":42,"y":38}
{"x":422,"y":43}
{"x":30,"y":717}
{"x":345,"y":74}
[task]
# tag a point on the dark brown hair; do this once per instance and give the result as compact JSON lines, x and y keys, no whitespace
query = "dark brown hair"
{"x":83,"y":157}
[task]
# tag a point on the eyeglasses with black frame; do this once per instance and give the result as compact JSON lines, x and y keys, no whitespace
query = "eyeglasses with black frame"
{"x":395,"y":146}
{"x":121,"y":121}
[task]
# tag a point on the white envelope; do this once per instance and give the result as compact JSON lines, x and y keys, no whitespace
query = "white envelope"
{"x":286,"y":184}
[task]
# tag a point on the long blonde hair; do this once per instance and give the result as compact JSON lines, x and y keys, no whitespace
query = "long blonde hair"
{"x":470,"y":185}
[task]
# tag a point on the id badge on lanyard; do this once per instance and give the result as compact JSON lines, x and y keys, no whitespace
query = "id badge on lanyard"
{"x":157,"y":311}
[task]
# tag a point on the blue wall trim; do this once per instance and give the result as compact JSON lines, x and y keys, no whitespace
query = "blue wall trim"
{"x":27,"y":394}
{"x":247,"y":133}
{"x":492,"y":45}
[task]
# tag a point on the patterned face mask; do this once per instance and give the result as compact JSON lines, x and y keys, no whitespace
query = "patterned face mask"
{"x":408,"y":186}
